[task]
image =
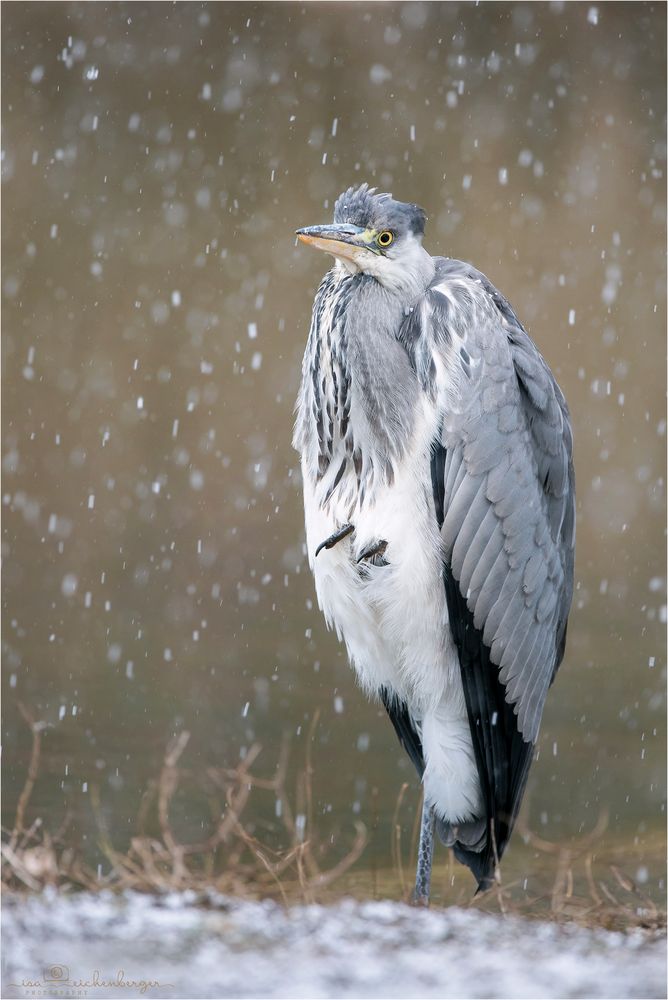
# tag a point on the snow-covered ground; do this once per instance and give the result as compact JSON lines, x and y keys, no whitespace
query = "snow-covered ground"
{"x":171,"y":947}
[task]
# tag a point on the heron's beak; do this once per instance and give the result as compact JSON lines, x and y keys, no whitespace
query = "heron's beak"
{"x":339,"y":239}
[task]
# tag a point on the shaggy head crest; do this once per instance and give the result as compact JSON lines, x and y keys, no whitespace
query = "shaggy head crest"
{"x":361,"y":206}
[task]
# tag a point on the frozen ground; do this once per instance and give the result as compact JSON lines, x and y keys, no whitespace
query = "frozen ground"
{"x":53,"y":946}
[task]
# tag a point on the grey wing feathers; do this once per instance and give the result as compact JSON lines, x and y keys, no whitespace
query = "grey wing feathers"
{"x":508,"y":492}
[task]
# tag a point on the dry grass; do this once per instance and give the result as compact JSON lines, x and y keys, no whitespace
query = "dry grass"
{"x":583,"y":889}
{"x":232,"y":860}
{"x":229,"y":860}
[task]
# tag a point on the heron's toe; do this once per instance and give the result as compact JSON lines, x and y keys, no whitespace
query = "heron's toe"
{"x":336,"y":537}
{"x":374,"y":554}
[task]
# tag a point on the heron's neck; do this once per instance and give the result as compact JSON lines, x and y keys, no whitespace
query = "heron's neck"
{"x":356,"y":405}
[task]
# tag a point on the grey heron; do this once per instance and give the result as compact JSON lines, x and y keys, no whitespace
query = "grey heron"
{"x":439,"y":498}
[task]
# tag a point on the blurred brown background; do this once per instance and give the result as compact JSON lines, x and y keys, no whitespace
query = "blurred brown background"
{"x":156,"y":161}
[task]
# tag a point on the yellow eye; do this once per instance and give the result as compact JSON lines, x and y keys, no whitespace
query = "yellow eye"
{"x":385,"y":238}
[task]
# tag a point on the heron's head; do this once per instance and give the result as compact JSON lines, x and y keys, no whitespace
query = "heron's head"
{"x":376,"y":235}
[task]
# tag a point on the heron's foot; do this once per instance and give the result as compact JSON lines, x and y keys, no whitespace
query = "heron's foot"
{"x":330,"y":542}
{"x":419,"y":899}
{"x":374,"y":553}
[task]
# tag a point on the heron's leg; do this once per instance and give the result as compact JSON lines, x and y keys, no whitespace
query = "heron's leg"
{"x":330,"y":542}
{"x":425,"y":854}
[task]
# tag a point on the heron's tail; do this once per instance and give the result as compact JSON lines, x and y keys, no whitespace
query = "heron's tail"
{"x":482,"y":866}
{"x":470,"y":843}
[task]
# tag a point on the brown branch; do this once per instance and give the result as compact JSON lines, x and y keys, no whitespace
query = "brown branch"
{"x":31,"y":778}
{"x":326,"y":878}
{"x":396,"y":838}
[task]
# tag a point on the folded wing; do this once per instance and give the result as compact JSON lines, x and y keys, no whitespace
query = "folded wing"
{"x":502,"y":476}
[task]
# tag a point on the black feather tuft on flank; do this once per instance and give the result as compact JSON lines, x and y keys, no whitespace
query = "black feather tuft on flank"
{"x":404,"y":728}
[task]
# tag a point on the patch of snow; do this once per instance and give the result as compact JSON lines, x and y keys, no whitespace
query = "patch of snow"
{"x":233,"y":948}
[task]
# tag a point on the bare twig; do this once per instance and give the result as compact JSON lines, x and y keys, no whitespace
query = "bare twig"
{"x":396,"y":839}
{"x":31,"y":778}
{"x":19,"y":868}
{"x":326,"y":878}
